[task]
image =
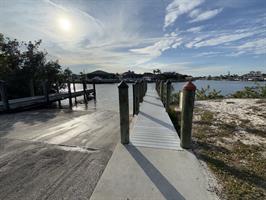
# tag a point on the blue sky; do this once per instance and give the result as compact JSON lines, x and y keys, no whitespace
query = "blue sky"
{"x":197,"y":37}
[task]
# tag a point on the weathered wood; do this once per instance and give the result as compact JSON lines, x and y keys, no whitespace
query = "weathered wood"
{"x":4,"y":96}
{"x":168,"y":95}
{"x":162,"y":91}
{"x":84,"y":90}
{"x":29,"y":102}
{"x":187,"y":114}
{"x":94,"y":89}
{"x":124,"y":112}
{"x":137,"y":97}
{"x":134,"y":99}
{"x":69,"y":94}
{"x":74,"y":88}
{"x":58,"y":92}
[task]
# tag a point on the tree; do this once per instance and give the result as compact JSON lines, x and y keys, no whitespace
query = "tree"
{"x":24,"y":67}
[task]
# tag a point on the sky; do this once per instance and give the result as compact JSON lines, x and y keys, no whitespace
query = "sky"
{"x":195,"y":37}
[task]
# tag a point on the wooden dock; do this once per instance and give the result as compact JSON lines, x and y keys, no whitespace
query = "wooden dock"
{"x":29,"y":102}
{"x":153,"y":127}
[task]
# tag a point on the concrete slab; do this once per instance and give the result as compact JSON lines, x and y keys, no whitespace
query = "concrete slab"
{"x":148,"y":173}
{"x":150,"y":167}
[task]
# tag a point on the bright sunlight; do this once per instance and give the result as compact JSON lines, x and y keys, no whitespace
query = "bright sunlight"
{"x":65,"y":24}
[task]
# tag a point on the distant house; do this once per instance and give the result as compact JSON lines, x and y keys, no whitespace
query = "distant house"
{"x":149,"y":76}
{"x":131,"y":75}
{"x":253,"y":76}
{"x":102,"y":75}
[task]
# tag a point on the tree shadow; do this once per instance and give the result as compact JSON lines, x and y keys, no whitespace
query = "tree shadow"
{"x":242,"y":174}
{"x":158,"y":179}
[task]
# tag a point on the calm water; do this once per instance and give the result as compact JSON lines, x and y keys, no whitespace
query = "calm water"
{"x":106,"y":98}
{"x":226,"y":87}
{"x":107,"y":94}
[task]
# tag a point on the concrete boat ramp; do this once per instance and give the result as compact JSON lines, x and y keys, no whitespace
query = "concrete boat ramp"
{"x":153,"y":166}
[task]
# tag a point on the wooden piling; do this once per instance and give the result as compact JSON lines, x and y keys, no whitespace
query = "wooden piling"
{"x":3,"y":94}
{"x":162,"y":91}
{"x":84,"y":91}
{"x":137,"y":97}
{"x":187,"y":114}
{"x":94,"y":91}
{"x":141,"y":90}
{"x":134,"y":99}
{"x":168,"y":95}
{"x":69,"y":94}
{"x":58,"y":91}
{"x":124,"y":112}
{"x":74,"y":88}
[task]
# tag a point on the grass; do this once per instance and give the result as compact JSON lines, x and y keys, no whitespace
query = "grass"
{"x":239,"y":168}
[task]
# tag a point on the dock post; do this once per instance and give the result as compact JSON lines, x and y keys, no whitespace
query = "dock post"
{"x":69,"y":94}
{"x":187,"y":114}
{"x":134,"y":98}
{"x":162,"y":91}
{"x":168,"y":95}
{"x":84,"y":91}
{"x":124,"y":112}
{"x":74,"y":88}
{"x":94,"y":90}
{"x":46,"y":91}
{"x":137,"y":97}
{"x":141,"y":90}
{"x":58,"y":92}
{"x":3,"y":94}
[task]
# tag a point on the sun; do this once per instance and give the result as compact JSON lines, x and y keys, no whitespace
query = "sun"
{"x":65,"y":24}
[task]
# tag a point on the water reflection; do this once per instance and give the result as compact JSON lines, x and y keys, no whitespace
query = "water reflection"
{"x":107,"y":98}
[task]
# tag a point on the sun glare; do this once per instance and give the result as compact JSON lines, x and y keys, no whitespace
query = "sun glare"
{"x":64,"y":24}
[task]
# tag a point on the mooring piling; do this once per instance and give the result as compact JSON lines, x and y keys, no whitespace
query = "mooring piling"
{"x":168,"y":95}
{"x":124,"y":112}
{"x":69,"y":94}
{"x":3,"y":94}
{"x":188,"y":98}
{"x":84,"y":92}
{"x":74,"y":88}
{"x":94,"y":90}
{"x":58,"y":92}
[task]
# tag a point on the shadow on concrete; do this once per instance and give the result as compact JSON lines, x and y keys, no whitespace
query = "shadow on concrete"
{"x":155,"y":104}
{"x":158,"y":121}
{"x":151,"y":96}
{"x":163,"y":185}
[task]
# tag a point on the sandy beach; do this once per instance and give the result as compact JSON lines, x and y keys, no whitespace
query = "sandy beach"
{"x":230,"y":136}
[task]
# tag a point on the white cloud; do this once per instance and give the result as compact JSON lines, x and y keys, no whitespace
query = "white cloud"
{"x":201,"y":16}
{"x":195,"y":29}
{"x":221,"y":39}
{"x":257,"y":46}
{"x":171,"y":40}
{"x":177,"y":8}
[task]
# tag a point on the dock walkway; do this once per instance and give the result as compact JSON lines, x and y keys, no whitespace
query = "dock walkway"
{"x":153,"y":165}
{"x":40,"y":100}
